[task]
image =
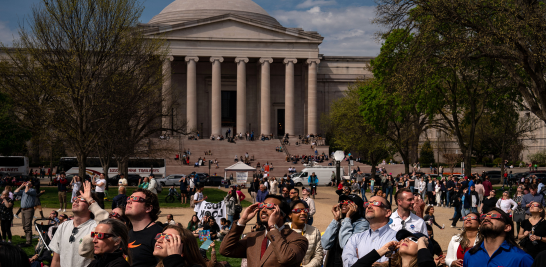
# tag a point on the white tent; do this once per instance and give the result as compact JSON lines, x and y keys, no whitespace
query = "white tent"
{"x":238,"y":167}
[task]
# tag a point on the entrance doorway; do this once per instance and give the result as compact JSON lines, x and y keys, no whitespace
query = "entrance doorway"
{"x":280,"y":122}
{"x":229,"y":111}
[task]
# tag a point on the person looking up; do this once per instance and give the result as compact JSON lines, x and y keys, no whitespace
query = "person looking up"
{"x":65,"y":243}
{"x":153,"y":184}
{"x":177,"y":247}
{"x":27,"y":208}
{"x":294,"y":194}
{"x":489,"y":202}
{"x":506,"y":204}
{"x":198,"y":198}
{"x":533,"y":230}
{"x":279,"y":245}
{"x":62,"y":184}
{"x":6,"y":216}
{"x":464,"y":241}
{"x":110,"y":239}
{"x":411,"y":250}
{"x":403,"y":218}
{"x":142,"y":210}
{"x":347,"y":221}
{"x":314,"y":254}
{"x":532,"y":196}
{"x":100,"y":185}
{"x":498,"y":247}
{"x":305,"y":192}
{"x":377,"y":212}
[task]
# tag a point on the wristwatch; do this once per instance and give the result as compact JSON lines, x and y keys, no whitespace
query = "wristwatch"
{"x":273,"y":226}
{"x":91,"y":202}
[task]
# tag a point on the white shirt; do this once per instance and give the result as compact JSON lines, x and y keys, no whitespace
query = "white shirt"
{"x":192,"y":184}
{"x":152,"y":186}
{"x":413,"y":223}
{"x":365,"y":242}
{"x":122,"y":181}
{"x":100,"y":189}
{"x":506,"y":204}
{"x":68,"y":251}
{"x":196,"y":197}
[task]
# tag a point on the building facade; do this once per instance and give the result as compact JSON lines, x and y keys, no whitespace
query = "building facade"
{"x":233,"y":66}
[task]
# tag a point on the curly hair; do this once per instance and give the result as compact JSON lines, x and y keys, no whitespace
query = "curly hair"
{"x":151,"y":200}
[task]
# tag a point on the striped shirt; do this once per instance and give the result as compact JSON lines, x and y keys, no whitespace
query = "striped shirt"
{"x":365,"y":242}
{"x":27,"y":198}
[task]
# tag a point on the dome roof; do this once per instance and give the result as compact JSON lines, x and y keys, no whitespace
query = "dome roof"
{"x":181,"y":11}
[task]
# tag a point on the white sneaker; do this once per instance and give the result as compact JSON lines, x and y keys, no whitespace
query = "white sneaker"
{"x":452,"y":226}
{"x":64,"y":210}
{"x":59,"y":210}
{"x":15,"y":215}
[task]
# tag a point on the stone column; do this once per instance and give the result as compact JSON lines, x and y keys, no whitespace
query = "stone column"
{"x":312,"y":116}
{"x":265,"y":97}
{"x":167,"y":94}
{"x":216,"y":103}
{"x":289,"y":96}
{"x":241,"y":94}
{"x":191,"y":112}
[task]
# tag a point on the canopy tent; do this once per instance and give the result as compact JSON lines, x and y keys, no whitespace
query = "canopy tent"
{"x":238,"y":167}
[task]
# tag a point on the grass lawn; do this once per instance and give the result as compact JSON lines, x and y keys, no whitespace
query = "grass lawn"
{"x":50,"y":198}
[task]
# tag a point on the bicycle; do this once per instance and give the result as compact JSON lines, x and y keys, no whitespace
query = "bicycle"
{"x":173,"y":194}
{"x":313,"y":190}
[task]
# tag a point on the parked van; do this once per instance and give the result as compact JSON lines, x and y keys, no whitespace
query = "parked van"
{"x":324,"y":175}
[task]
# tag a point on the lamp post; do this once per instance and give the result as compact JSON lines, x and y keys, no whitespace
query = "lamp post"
{"x":338,"y":156}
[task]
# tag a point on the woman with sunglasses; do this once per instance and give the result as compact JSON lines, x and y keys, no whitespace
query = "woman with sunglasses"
{"x":176,"y":246}
{"x":464,"y":241}
{"x":298,"y":222}
{"x":506,"y":204}
{"x":110,"y":244}
{"x":533,"y":231}
{"x":409,"y":251}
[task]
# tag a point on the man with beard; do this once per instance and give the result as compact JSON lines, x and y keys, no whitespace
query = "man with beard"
{"x":278,"y":245}
{"x":347,"y":222}
{"x":377,"y":212}
{"x":403,"y":218}
{"x":498,"y":247}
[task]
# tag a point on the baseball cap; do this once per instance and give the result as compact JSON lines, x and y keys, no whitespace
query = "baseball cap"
{"x":403,"y":234}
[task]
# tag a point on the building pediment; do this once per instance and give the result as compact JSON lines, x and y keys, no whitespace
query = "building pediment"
{"x":231,"y":27}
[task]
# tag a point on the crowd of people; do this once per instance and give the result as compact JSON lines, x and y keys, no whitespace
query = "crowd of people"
{"x":363,"y":231}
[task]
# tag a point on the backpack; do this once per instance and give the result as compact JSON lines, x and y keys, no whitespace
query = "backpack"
{"x":158,"y":187}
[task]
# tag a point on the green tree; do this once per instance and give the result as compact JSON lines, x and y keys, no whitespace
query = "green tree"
{"x":90,"y":58}
{"x":426,"y":155}
{"x":351,"y":133}
{"x":13,"y":135}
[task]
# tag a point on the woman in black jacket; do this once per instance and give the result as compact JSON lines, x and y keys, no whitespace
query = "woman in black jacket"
{"x":411,"y":250}
{"x":110,"y":240}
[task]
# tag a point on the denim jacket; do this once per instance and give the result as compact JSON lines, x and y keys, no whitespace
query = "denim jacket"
{"x":344,"y":232}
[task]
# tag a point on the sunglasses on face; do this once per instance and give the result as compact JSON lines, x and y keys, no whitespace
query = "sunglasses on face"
{"x":492,"y":216}
{"x":346,"y":202}
{"x":300,"y":210}
{"x":268,"y":206}
{"x":470,"y":217}
{"x":160,"y":235}
{"x":136,"y":199}
{"x":80,"y":199}
{"x":375,"y":204}
{"x":100,"y":235}
{"x":413,"y":239}
{"x":534,"y":204}
{"x":114,"y":215}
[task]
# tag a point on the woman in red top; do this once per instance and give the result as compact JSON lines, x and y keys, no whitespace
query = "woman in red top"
{"x":464,"y":241}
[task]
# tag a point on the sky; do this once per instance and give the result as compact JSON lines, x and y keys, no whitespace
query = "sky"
{"x":346,"y":25}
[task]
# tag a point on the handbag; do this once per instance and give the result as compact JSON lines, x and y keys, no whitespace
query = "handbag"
{"x":238,"y":208}
{"x":192,"y":203}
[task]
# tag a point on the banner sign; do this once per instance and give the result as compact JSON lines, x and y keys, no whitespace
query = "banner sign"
{"x":215,"y":210}
{"x":242,"y":177}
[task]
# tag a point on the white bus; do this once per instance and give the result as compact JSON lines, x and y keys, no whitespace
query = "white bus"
{"x":139,"y":166}
{"x":14,"y":165}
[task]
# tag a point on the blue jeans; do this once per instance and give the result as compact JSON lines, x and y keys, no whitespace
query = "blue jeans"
{"x":363,"y":193}
{"x":411,"y":188}
{"x":465,"y":212}
{"x":389,"y":192}
{"x":474,"y":209}
{"x":230,"y":218}
{"x":456,"y":211}
{"x":448,"y":199}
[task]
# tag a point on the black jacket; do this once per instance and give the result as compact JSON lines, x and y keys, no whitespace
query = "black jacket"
{"x":115,"y":259}
{"x":176,"y":261}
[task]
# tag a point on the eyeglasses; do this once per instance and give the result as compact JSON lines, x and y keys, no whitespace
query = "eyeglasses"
{"x":80,"y":199}
{"x":136,"y":199}
{"x":534,"y":204}
{"x":413,"y":239}
{"x":345,"y":202}
{"x":470,"y":217}
{"x":101,"y":235}
{"x":268,"y":206}
{"x":72,"y":236}
{"x":375,"y":204}
{"x":492,"y":216}
{"x":160,"y":235}
{"x":114,"y":215}
{"x":300,"y":210}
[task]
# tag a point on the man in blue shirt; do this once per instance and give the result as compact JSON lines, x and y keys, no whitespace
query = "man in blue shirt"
{"x":499,"y":247}
{"x":261,"y":194}
{"x":28,"y":196}
{"x":533,"y":196}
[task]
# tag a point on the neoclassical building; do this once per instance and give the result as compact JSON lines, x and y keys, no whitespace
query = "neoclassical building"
{"x":234,"y":66}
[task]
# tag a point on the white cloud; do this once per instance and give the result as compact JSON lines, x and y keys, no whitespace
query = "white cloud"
{"x":7,"y":35}
{"x":346,"y":32}
{"x":314,"y":3}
